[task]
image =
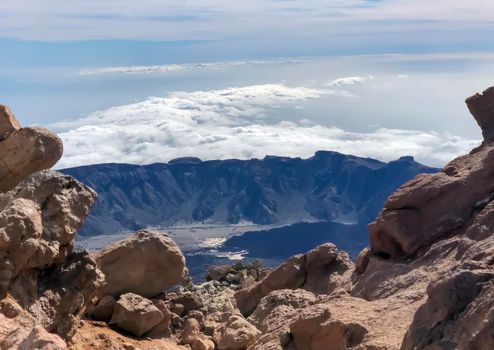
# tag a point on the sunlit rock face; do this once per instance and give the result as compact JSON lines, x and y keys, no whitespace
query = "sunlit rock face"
{"x":44,"y":285}
{"x":24,"y":151}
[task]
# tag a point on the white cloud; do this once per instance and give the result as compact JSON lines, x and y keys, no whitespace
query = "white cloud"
{"x":350,"y":81}
{"x":180,"y":67}
{"x":231,"y":123}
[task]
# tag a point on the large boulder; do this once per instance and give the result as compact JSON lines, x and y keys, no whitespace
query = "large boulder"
{"x":146,"y":264}
{"x":24,"y":151}
{"x":317,"y":271}
{"x":136,"y":314}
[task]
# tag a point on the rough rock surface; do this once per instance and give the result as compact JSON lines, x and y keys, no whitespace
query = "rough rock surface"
{"x":48,"y":208}
{"x":234,"y":332}
{"x":8,"y":122}
{"x":482,"y":108}
{"x":147,"y":264}
{"x":44,"y":286}
{"x":431,"y":206}
{"x":318,"y":271}
{"x":24,"y":150}
{"x":136,"y":314}
{"x":103,"y":310}
{"x":98,"y":336}
{"x":20,"y":330}
{"x":38,"y":267}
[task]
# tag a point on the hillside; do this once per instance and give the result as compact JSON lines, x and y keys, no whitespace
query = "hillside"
{"x":275,"y":190}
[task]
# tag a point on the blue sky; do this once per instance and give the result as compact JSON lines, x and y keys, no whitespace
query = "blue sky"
{"x":71,"y":60}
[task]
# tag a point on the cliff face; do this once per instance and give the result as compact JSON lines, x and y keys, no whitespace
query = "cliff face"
{"x":275,"y":190}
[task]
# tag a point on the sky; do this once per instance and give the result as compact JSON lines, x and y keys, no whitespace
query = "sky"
{"x":149,"y":81}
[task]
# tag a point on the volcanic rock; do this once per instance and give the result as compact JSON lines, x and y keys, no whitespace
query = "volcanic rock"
{"x":136,"y":314}
{"x":234,"y":332}
{"x":314,"y":271}
{"x":8,"y":122}
{"x":26,"y":151}
{"x":431,"y":206}
{"x":482,"y":108}
{"x":103,"y":310}
{"x":48,"y":208}
{"x":145,"y":264}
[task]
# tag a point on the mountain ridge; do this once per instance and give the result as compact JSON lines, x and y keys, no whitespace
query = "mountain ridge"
{"x":328,"y":186}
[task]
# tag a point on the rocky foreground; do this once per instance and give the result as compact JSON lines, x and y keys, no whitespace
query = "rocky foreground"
{"x":426,"y":282}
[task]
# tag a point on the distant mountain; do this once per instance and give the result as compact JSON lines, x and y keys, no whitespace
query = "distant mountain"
{"x":275,"y":190}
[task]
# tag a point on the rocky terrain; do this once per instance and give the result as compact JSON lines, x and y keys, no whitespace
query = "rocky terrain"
{"x":425,"y":282}
{"x":275,"y":190}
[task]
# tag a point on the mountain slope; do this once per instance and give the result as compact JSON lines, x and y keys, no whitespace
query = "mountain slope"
{"x":275,"y":190}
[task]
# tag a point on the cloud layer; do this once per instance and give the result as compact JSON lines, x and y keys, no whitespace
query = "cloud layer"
{"x":168,"y":68}
{"x":214,"y":19}
{"x":232,"y":123}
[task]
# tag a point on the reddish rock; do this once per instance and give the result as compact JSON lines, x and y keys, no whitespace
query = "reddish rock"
{"x":482,"y":108}
{"x":103,"y":310}
{"x":8,"y":122}
{"x":313,"y":271}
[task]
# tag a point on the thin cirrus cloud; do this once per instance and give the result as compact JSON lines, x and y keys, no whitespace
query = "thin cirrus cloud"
{"x":168,"y":68}
{"x":216,"y":20}
{"x":232,"y":123}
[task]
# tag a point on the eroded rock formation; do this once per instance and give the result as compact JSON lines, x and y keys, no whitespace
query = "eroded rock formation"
{"x":315,"y":271}
{"x":482,"y":108}
{"x":24,"y":150}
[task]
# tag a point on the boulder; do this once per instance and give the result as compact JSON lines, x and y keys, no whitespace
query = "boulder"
{"x":266,"y":318}
{"x":318,"y":333}
{"x":146,"y":264}
{"x":26,"y":151}
{"x":217,"y":272}
{"x":163,"y":329}
{"x":203,"y":343}
{"x":136,"y":314}
{"x":189,"y":301}
{"x":103,"y":310}
{"x":191,"y":331}
{"x":314,"y":271}
{"x":235,"y":332}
